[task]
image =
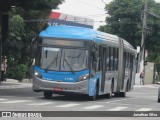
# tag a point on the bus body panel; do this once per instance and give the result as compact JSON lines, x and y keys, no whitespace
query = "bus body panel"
{"x":54,"y":86}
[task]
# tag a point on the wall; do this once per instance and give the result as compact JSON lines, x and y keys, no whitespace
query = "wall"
{"x":149,"y":73}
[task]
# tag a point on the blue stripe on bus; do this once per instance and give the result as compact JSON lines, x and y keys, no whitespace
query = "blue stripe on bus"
{"x":60,"y":76}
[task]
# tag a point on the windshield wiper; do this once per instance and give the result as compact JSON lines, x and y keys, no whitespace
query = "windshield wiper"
{"x":74,"y":57}
{"x":69,"y":66}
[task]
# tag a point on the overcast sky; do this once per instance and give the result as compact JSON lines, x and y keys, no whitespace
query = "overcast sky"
{"x":93,"y":9}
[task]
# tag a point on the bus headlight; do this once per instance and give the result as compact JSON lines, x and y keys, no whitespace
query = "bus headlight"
{"x":83,"y":77}
{"x":37,"y":74}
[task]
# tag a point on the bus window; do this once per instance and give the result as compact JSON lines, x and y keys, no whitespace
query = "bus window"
{"x":129,"y":60}
{"x":117,"y":58}
{"x":107,"y":59}
{"x":112,"y":65}
{"x":100,"y":56}
{"x":114,"y":57}
{"x":77,"y":59}
{"x":50,"y":58}
{"x":59,"y":59}
{"x":124,"y":60}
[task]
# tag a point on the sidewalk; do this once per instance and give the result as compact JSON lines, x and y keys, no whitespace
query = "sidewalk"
{"x":148,"y":85}
{"x":12,"y":83}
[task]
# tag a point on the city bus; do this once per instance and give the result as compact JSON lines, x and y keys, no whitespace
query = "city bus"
{"x":71,"y":59}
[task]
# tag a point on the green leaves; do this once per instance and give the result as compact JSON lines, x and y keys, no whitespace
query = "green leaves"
{"x":22,"y":28}
{"x":125,"y":20}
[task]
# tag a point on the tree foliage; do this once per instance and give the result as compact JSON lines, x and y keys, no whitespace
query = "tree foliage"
{"x":23,"y":28}
{"x":125,"y":20}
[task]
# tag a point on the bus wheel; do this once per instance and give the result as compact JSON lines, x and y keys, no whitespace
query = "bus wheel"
{"x":122,"y":94}
{"x":47,"y":94}
{"x":92,"y":98}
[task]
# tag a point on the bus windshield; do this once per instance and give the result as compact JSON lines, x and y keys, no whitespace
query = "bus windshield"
{"x":63,"y":59}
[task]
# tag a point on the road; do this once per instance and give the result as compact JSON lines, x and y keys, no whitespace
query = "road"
{"x":141,"y":98}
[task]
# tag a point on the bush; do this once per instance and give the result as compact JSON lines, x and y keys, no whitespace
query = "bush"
{"x":20,"y":72}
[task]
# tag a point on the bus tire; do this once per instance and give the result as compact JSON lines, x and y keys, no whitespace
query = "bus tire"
{"x":117,"y":94}
{"x":47,"y":94}
{"x":123,"y":94}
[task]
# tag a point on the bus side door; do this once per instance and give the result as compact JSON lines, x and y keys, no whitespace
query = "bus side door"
{"x":103,"y":67}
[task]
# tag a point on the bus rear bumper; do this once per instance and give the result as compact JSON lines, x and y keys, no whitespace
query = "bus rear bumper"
{"x":40,"y":85}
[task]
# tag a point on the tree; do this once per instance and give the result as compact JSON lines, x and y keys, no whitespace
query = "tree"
{"x":125,"y":20}
{"x":23,"y":28}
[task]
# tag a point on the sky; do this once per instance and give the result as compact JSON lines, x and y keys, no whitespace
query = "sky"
{"x":93,"y":9}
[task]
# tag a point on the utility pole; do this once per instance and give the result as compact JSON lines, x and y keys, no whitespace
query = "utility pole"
{"x":142,"y":52}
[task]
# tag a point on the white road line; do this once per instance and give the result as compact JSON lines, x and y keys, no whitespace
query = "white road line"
{"x":2,"y":99}
{"x":118,"y":108}
{"x":44,"y":103}
{"x":144,"y":109}
{"x":67,"y":105}
{"x":30,"y":97}
{"x":118,"y":100}
{"x":16,"y":101}
{"x":93,"y":107}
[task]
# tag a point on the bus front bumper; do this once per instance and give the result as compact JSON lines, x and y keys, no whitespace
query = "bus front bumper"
{"x":40,"y":85}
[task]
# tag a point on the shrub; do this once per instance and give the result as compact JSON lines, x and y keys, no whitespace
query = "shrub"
{"x":20,"y":72}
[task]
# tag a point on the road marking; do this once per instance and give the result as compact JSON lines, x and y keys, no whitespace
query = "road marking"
{"x":118,"y":100}
{"x":93,"y":107}
{"x":2,"y":99}
{"x":144,"y":109}
{"x":16,"y":101}
{"x":45,"y":103}
{"x":67,"y":105}
{"x":118,"y":108}
{"x":30,"y":97}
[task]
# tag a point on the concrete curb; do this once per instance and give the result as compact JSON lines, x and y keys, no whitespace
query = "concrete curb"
{"x":12,"y":83}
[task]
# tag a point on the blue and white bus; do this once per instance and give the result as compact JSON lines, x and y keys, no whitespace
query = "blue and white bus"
{"x":80,"y":60}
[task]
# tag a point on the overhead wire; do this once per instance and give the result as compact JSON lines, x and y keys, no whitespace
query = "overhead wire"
{"x":91,"y":5}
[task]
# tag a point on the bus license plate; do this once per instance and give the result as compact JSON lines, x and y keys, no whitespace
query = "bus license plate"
{"x":58,"y":89}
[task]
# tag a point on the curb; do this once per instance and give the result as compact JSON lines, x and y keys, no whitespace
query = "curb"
{"x":12,"y":83}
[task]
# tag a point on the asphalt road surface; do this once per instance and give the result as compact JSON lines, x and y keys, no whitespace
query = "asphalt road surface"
{"x":142,"y":99}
